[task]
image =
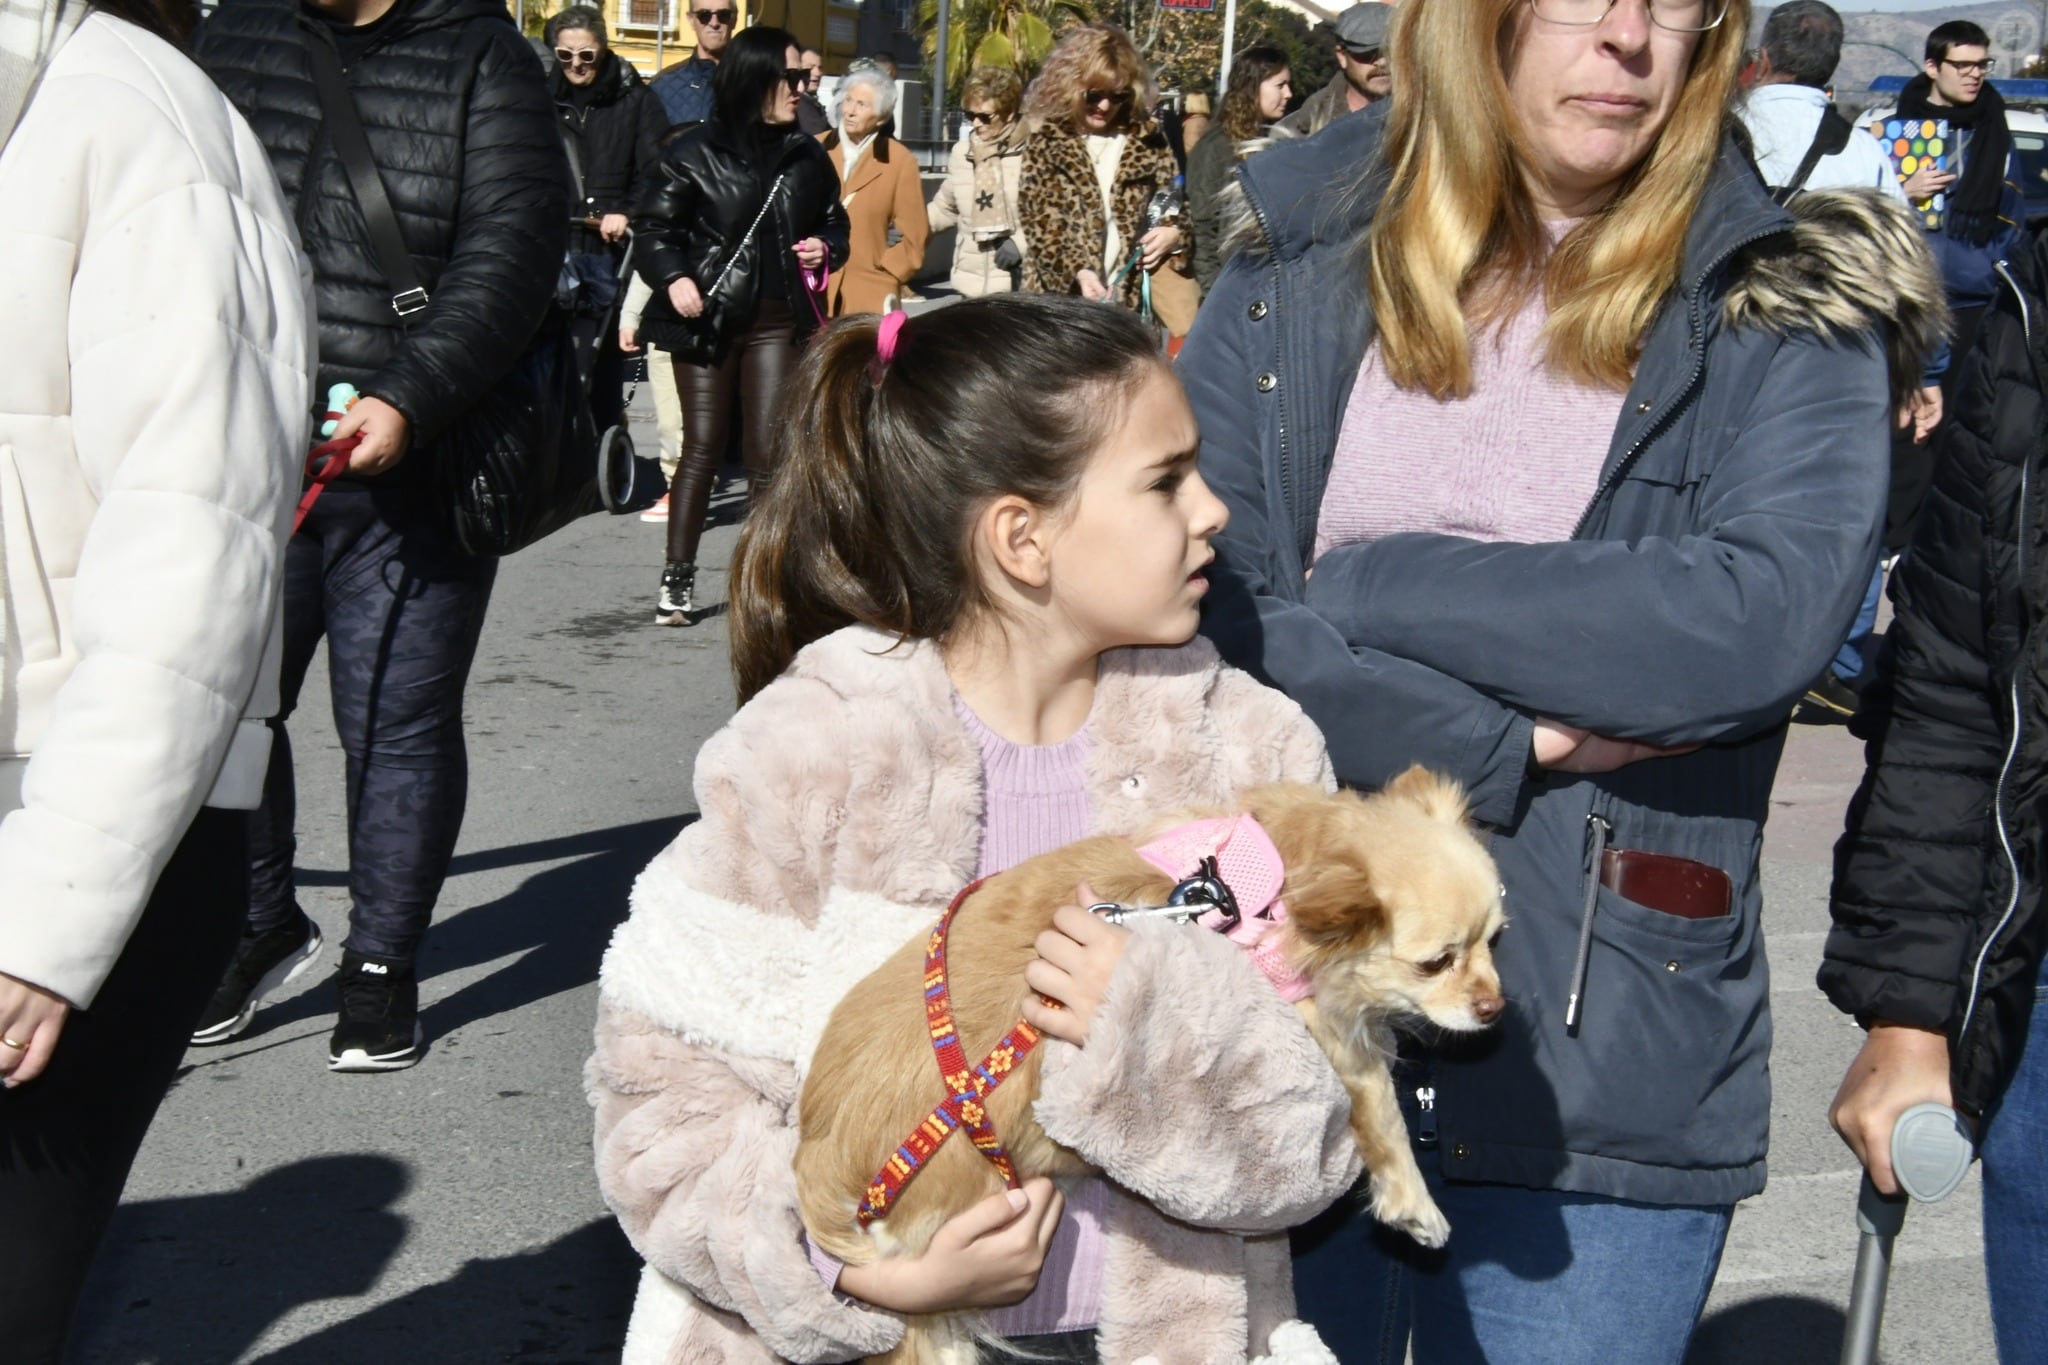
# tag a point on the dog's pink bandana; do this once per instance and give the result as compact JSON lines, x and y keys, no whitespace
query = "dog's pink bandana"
{"x":1250,"y":866}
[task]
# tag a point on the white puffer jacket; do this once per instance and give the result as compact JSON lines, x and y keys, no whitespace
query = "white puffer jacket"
{"x":155,"y":407}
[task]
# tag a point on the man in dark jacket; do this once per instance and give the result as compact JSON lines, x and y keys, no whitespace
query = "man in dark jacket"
{"x":685,"y":88}
{"x":811,"y":118}
{"x":1939,"y":927}
{"x":1363,"y":77}
{"x":461,"y":134}
{"x":611,"y":128}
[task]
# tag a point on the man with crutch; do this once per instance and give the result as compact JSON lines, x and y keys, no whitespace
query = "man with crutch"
{"x":1939,"y":924}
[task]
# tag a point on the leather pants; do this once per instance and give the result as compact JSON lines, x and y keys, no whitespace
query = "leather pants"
{"x":750,"y":378}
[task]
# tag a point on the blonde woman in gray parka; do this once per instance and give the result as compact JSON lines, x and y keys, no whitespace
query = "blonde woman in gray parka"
{"x":979,"y":198}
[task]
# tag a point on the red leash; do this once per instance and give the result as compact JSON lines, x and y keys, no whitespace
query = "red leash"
{"x":966,"y":1087}
{"x":327,"y":462}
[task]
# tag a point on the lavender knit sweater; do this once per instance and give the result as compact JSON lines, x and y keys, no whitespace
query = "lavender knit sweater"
{"x":1516,"y":460}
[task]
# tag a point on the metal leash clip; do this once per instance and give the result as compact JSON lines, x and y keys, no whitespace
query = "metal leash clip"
{"x":1191,"y":899}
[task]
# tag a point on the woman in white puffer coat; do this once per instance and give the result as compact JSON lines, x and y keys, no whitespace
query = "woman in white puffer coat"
{"x":155,"y":406}
{"x":978,"y":198}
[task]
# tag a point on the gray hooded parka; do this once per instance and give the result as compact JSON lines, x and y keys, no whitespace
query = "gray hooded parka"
{"x":1714,"y":573}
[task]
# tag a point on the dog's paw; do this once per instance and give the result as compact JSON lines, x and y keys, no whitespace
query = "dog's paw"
{"x":1403,"y":1202}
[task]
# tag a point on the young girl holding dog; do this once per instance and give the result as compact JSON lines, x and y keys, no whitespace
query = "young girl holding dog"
{"x":962,"y":619}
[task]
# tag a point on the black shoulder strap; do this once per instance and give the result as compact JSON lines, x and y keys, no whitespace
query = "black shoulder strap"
{"x":345,"y":131}
{"x":1830,"y":139}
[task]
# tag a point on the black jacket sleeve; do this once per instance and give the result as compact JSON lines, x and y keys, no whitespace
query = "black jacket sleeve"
{"x":1909,"y":900}
{"x":650,"y":121}
{"x":512,"y":227}
{"x":667,"y":210}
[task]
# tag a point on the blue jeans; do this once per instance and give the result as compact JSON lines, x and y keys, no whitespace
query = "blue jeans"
{"x":1849,"y":660}
{"x":1530,"y":1277}
{"x":401,"y":609}
{"x":2016,"y":1199}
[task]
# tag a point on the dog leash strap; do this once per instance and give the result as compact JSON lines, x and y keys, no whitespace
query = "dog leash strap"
{"x":967,"y":1087}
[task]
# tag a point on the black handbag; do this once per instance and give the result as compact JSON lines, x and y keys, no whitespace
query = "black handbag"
{"x":522,"y":462}
{"x":716,"y":325}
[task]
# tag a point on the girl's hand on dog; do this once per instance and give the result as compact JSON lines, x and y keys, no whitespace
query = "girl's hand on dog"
{"x":1076,"y":958}
{"x":986,"y":1257}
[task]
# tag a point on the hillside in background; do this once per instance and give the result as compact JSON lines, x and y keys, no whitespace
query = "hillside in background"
{"x":1890,"y":44}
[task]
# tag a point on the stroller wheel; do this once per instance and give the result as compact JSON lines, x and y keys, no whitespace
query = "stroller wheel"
{"x":616,"y":468}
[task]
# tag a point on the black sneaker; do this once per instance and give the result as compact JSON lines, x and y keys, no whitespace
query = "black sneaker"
{"x":380,"y":1015}
{"x":674,"y":605}
{"x":263,"y":963}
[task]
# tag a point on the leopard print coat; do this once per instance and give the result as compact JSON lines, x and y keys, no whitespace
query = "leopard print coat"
{"x":1061,"y":204}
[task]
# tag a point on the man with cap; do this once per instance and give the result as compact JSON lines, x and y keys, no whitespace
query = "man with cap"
{"x":1362,"y":76}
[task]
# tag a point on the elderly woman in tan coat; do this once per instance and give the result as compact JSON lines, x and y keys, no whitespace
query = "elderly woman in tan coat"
{"x":979,"y":197}
{"x":880,"y":189}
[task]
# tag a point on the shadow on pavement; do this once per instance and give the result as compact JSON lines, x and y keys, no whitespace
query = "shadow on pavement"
{"x":1779,"y":1327}
{"x":221,"y":1268}
{"x":561,"y":919}
{"x":567,"y":1301}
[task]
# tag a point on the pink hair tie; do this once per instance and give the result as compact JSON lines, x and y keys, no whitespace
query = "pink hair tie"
{"x":885,"y":340}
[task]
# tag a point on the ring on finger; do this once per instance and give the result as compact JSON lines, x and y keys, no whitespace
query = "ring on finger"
{"x":9,"y":1042}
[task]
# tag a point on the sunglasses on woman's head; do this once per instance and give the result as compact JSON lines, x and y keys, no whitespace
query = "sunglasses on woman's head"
{"x":587,"y":57}
{"x":713,"y":17}
{"x":1119,"y":99}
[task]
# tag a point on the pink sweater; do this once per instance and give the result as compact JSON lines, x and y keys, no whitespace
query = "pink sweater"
{"x":1516,"y":460}
{"x":1034,"y":800}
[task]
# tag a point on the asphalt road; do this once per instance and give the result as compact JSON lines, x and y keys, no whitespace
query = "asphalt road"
{"x":448,"y":1214}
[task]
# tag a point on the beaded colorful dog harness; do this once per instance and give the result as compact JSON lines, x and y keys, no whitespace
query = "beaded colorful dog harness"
{"x":1195,"y":852}
{"x":967,"y":1088}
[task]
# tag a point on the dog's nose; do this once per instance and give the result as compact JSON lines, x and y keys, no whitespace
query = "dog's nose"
{"x":1487,"y":1008}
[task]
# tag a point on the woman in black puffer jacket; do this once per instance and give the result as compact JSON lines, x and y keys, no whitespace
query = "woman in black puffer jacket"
{"x":1940,"y":909}
{"x":741,"y":208}
{"x":462,"y":134}
{"x":611,"y":128}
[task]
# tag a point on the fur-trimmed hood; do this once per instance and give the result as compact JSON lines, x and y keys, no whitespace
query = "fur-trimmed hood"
{"x":1839,"y":263}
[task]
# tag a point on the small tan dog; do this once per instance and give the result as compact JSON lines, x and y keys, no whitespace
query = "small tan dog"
{"x":1392,"y":909}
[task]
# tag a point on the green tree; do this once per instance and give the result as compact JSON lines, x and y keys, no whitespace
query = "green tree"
{"x":1186,"y":46}
{"x":1013,"y":33}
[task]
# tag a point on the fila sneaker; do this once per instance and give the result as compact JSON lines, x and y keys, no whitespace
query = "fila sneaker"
{"x":379,"y":1029}
{"x":263,"y":963}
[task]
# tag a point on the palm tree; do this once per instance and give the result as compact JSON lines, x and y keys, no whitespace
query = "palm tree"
{"x":1013,"y":33}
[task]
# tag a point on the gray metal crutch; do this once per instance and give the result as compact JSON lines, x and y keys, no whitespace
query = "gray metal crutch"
{"x":1931,"y":1152}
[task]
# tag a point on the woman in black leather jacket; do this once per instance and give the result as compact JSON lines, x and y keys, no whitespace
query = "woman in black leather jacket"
{"x":741,"y":208}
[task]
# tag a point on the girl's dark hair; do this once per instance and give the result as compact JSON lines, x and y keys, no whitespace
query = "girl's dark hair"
{"x":171,"y":20}
{"x":752,"y":67}
{"x":1239,"y":117}
{"x":880,"y":471}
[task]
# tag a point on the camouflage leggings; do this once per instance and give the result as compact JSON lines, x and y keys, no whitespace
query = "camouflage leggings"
{"x":401,"y":609}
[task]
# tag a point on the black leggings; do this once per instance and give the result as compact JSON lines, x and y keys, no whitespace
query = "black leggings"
{"x":68,"y":1137}
{"x":755,"y":369}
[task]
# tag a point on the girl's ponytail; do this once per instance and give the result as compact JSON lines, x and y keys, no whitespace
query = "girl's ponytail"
{"x":881,"y":466}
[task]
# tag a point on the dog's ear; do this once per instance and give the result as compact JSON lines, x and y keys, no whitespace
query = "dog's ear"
{"x":1435,"y":795}
{"x":1332,"y":907}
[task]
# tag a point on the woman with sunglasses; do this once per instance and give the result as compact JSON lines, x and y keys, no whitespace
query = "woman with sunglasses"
{"x":741,"y":216}
{"x":979,"y":197}
{"x":881,"y":191}
{"x":611,"y":127}
{"x":1092,"y":168}
{"x":1555,"y":458}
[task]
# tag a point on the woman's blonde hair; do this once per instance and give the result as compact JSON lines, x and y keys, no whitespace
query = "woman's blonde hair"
{"x":1090,"y":57}
{"x":1457,"y":242}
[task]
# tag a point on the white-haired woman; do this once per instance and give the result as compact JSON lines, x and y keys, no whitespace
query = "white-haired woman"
{"x":880,"y":189}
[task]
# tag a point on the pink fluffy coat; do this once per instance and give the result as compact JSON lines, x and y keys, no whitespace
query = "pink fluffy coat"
{"x":841,"y":810}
